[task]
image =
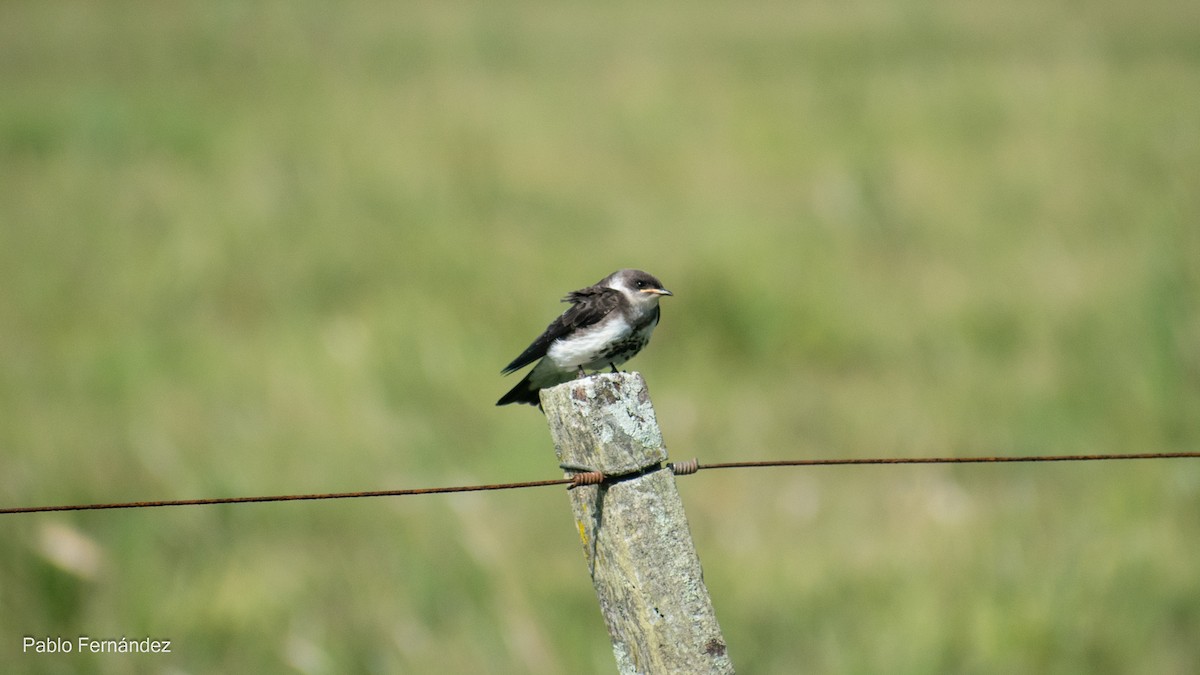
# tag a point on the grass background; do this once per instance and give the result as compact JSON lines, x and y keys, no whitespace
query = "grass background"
{"x":272,"y":247}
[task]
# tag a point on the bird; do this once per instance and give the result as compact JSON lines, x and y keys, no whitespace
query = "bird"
{"x":607,"y":324}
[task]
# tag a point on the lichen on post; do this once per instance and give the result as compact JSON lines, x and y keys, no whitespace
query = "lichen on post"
{"x":633,"y":528}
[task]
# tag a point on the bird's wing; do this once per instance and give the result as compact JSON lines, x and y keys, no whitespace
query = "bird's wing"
{"x":589,"y":305}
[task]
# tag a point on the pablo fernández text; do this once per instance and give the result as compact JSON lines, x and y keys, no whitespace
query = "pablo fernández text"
{"x":89,"y":645}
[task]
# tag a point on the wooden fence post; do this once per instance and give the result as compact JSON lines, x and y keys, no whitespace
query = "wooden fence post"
{"x":634,"y":531}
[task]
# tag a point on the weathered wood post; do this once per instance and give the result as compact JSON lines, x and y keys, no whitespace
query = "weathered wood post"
{"x":634,"y":532}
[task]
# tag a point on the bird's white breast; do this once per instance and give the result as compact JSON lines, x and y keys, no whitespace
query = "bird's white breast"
{"x":584,"y":346}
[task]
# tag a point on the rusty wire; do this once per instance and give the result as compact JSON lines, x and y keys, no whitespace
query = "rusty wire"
{"x":950,"y":460}
{"x":595,"y":477}
{"x":289,"y":498}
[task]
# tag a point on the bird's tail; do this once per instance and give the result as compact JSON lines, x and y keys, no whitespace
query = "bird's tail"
{"x":524,"y":392}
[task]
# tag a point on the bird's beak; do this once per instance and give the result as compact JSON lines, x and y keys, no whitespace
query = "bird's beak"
{"x":657,"y":291}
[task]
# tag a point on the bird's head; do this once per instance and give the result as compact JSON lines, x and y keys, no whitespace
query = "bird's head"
{"x":641,"y":288}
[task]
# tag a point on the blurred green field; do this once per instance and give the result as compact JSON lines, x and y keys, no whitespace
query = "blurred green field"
{"x":274,"y":247}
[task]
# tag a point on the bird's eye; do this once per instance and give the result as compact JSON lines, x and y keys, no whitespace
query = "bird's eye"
{"x":640,"y":283}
